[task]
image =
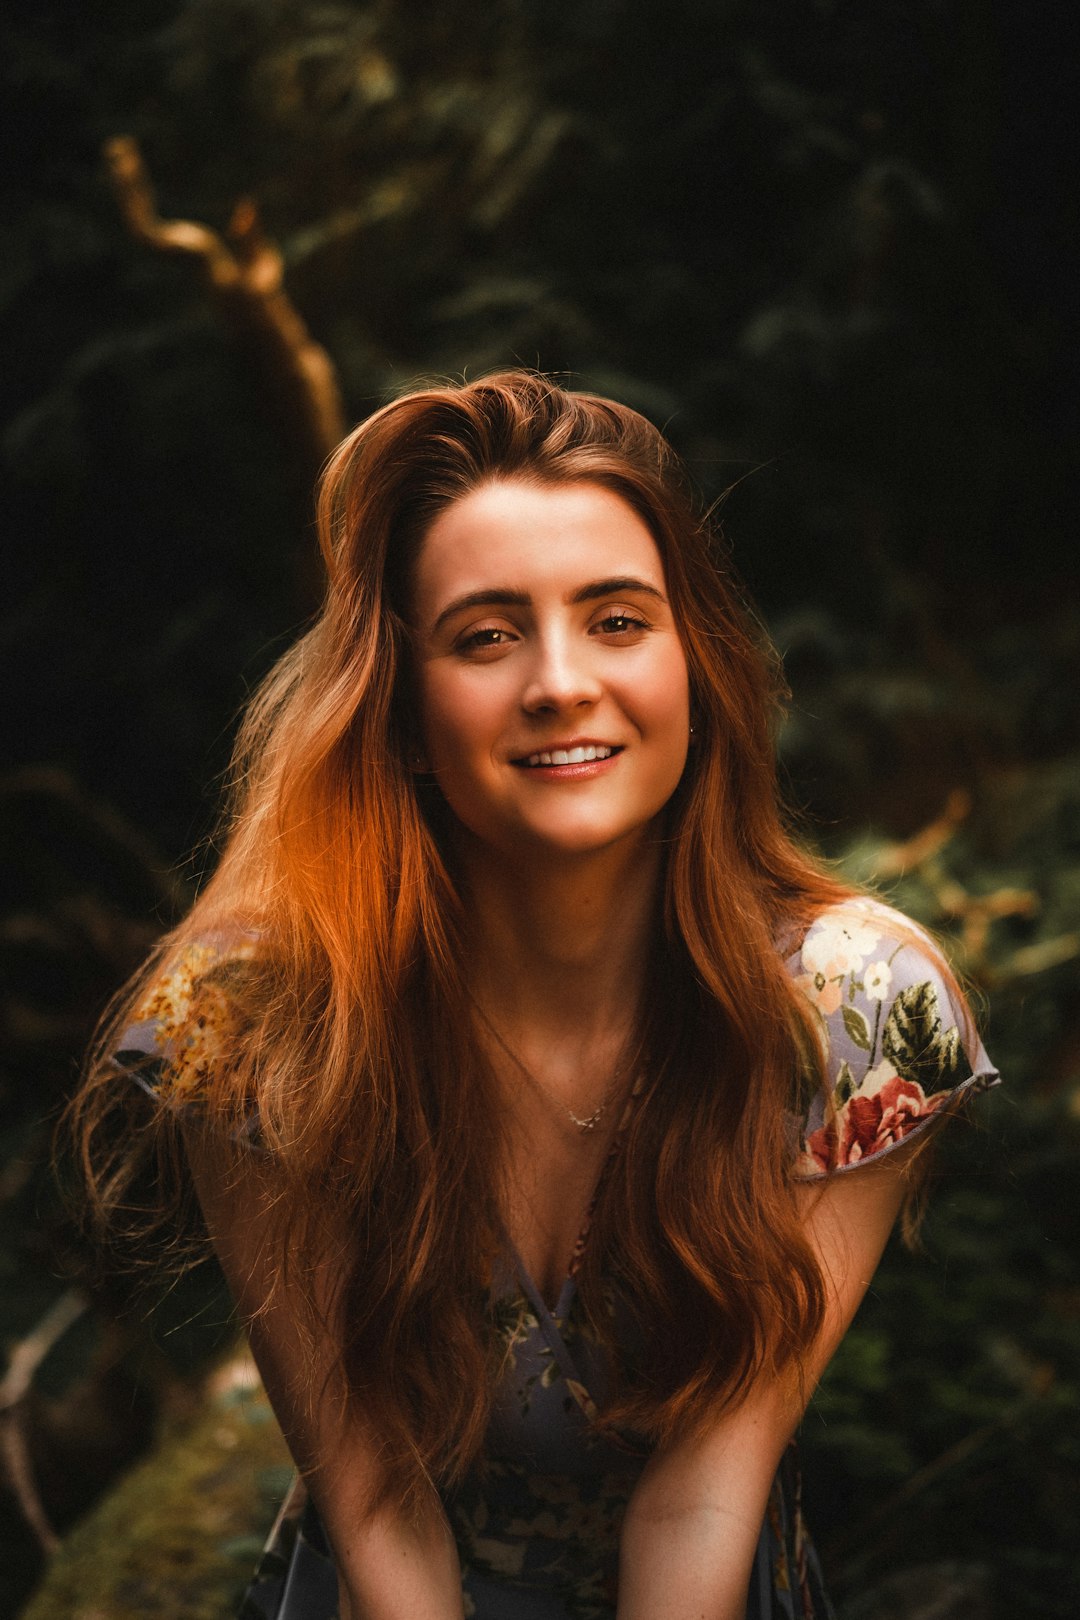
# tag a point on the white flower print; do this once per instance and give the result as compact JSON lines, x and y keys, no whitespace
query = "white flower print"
{"x":877,"y":1077}
{"x":877,"y":979}
{"x":839,"y":945}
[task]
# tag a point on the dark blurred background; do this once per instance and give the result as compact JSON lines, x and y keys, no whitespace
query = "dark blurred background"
{"x":825,"y":247}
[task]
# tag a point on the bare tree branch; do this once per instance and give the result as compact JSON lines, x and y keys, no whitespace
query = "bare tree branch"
{"x":23,"y":1363}
{"x":897,"y":859}
{"x":15,"y":1457}
{"x":244,"y":276}
{"x":975,"y":913}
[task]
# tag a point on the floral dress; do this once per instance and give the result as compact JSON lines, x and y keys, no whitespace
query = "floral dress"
{"x":537,"y":1522}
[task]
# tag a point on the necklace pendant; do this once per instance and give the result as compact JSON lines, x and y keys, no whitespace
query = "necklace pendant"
{"x":588,"y":1124}
{"x":590,"y":1121}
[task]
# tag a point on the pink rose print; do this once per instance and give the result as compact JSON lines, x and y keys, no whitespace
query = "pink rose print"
{"x":870,"y":1123}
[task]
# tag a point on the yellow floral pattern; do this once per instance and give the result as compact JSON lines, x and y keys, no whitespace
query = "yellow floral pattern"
{"x":187,"y":1021}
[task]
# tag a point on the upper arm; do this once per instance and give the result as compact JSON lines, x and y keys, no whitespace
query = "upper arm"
{"x":283,"y":1285}
{"x":847,"y":1220}
{"x":389,"y":1567}
{"x":282,"y":1306}
{"x":693,"y":1524}
{"x":729,"y":1468}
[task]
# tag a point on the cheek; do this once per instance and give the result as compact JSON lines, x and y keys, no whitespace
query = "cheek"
{"x":669,"y":694}
{"x":438,"y":719}
{"x":456,"y":719}
{"x":672,"y":716}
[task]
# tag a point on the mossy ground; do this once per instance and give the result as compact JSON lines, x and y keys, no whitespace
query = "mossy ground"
{"x":178,"y":1538}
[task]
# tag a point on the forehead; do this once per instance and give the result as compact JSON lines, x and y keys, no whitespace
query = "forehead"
{"x":532,"y":537}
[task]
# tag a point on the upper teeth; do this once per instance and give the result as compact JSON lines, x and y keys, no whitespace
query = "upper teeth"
{"x":570,"y":756}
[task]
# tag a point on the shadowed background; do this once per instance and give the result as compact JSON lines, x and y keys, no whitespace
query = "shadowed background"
{"x":824,"y":247}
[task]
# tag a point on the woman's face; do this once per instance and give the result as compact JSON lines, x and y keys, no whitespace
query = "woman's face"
{"x":552,"y":684}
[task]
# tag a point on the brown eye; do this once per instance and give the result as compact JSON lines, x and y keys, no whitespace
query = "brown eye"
{"x":484,"y":639}
{"x":621,"y":624}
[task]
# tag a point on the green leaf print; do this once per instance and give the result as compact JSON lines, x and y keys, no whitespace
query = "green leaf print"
{"x":917,"y":1045}
{"x":858,"y":1030}
{"x":844,"y":1089}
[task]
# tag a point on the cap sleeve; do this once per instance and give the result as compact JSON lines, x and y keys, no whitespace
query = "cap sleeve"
{"x":899,"y":1046}
{"x":186,"y":1022}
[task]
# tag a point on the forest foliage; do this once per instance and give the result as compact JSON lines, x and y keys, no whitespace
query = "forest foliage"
{"x":802,"y":239}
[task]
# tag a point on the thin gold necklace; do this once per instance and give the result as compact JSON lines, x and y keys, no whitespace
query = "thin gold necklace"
{"x":585,"y":1125}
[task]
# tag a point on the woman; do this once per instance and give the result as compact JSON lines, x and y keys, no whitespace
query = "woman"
{"x":547,"y":1106}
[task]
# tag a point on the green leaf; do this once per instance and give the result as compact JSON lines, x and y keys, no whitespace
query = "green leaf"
{"x":917,"y":1044}
{"x":858,"y":1030}
{"x":845,"y":1087}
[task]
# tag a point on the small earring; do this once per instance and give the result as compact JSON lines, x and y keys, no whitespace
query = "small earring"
{"x":417,"y":762}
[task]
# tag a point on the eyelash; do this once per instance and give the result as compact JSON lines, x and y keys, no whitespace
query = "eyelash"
{"x":630,"y":621}
{"x":477,"y":640}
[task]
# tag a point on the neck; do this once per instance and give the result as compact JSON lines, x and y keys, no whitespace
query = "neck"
{"x":560,"y":945}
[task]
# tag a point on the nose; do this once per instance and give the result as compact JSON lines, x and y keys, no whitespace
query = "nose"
{"x":562,"y":676}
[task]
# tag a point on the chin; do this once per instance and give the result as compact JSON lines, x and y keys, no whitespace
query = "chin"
{"x":584,"y":840}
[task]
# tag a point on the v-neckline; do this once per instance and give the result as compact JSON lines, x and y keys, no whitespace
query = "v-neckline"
{"x":568,"y":1286}
{"x":556,"y":1313}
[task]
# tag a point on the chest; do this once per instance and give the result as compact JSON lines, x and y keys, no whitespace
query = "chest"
{"x":550,"y":1186}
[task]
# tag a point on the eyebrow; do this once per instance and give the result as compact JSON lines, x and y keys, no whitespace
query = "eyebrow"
{"x":587,"y":593}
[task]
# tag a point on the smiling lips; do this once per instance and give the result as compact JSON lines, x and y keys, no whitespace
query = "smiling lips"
{"x":582,"y":754}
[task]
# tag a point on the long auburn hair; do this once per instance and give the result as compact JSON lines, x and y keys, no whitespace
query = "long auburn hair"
{"x":356,"y":1047}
